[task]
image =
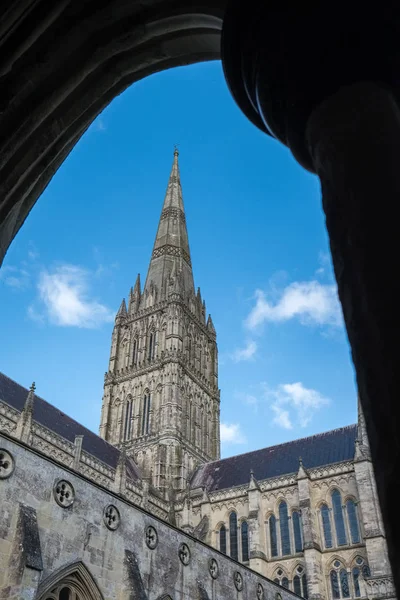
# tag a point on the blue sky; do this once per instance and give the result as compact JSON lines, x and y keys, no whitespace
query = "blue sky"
{"x":259,"y":251}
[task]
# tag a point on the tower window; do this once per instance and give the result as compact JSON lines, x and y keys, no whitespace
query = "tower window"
{"x":233,"y":536}
{"x":339,"y":581}
{"x":284,"y":527}
{"x":146,"y":414}
{"x":222,"y":539}
{"x":326,"y":526}
{"x":135,"y":352}
{"x":244,"y":530}
{"x":128,"y":420}
{"x":296,"y":520}
{"x":152,"y":346}
{"x":353,"y":521}
{"x":272,"y":536}
{"x":338,"y":518}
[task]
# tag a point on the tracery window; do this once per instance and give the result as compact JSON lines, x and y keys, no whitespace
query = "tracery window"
{"x":339,"y":581}
{"x":233,"y":536}
{"x":135,"y":352}
{"x":146,"y":414}
{"x":297,"y":533}
{"x":284,"y":528}
{"x":300,"y":582}
{"x":152,"y":345}
{"x":128,"y":420}
{"x":222,"y":539}
{"x":281,"y":578}
{"x":63,"y":592}
{"x":244,"y":530}
{"x":273,"y":538}
{"x":341,"y":537}
{"x":360,"y":569}
{"x":351,"y":510}
{"x":326,"y":525}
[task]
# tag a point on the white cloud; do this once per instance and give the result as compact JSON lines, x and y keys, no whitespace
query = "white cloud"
{"x":281,"y":417}
{"x":294,"y":402}
{"x":246,"y":353}
{"x":65,"y":301}
{"x":15,"y":277}
{"x":311,"y":302}
{"x":231,"y":434}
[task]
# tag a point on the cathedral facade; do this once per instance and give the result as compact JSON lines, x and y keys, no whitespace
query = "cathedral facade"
{"x":148,"y":509}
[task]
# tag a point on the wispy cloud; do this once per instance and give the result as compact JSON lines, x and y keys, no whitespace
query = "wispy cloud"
{"x":231,"y":434}
{"x":246,"y":353}
{"x":325,"y":266}
{"x":294,"y":403}
{"x":64,"y":299}
{"x":15,"y":277}
{"x":311,"y":302}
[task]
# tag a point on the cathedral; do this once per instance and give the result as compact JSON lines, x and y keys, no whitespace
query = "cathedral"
{"x":148,"y":509}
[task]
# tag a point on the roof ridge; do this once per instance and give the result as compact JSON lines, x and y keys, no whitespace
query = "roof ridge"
{"x":315,"y":435}
{"x":58,"y":409}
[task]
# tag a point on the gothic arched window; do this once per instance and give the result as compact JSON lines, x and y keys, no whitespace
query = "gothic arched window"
{"x":135,"y":352}
{"x":285,"y":583}
{"x":326,"y":526}
{"x":298,"y":542}
{"x":75,"y":583}
{"x":273,"y":538}
{"x":300,"y":583}
{"x":284,"y":528}
{"x":152,"y":345}
{"x":353,"y":521}
{"x":233,"y":536}
{"x":281,"y":578}
{"x":222,"y":539}
{"x":146,"y":414}
{"x":338,"y":518}
{"x":339,"y":581}
{"x":361,"y":568}
{"x":128,"y":420}
{"x":244,"y":530}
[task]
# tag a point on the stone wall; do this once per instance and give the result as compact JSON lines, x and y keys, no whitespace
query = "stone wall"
{"x":118,"y":550}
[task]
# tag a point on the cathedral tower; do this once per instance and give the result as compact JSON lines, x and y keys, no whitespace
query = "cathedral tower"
{"x":161,"y":397}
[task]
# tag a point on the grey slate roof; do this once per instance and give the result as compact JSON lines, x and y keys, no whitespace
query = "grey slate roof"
{"x":49,"y":416}
{"x":316,"y":451}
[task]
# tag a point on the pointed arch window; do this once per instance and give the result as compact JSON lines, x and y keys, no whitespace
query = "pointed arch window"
{"x":326,"y":526}
{"x":128,"y":420}
{"x":300,"y":583}
{"x":244,"y":532}
{"x":339,"y":581}
{"x":338,"y":518}
{"x":233,"y":536}
{"x":75,"y":583}
{"x":297,"y":533}
{"x":284,"y":527}
{"x":222,"y":539}
{"x":281,"y":578}
{"x":351,"y":510}
{"x":273,"y":538}
{"x":135,"y":352}
{"x":152,"y":345}
{"x":146,"y":414}
{"x":361,"y":568}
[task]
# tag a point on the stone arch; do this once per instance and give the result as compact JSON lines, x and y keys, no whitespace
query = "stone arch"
{"x":77,"y":577}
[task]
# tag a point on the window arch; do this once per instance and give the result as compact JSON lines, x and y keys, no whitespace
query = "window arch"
{"x":297,"y":533}
{"x":339,"y":581}
{"x":73,"y":582}
{"x":351,"y":509}
{"x":361,"y":569}
{"x":244,"y":532}
{"x":281,"y":578}
{"x":233,"y":536}
{"x":300,"y":582}
{"x":222,"y":539}
{"x":341,"y":537}
{"x":135,"y":350}
{"x":128,"y":419}
{"x":284,"y":528}
{"x":151,"y":350}
{"x":146,"y":413}
{"x":326,"y":525}
{"x":273,"y":538}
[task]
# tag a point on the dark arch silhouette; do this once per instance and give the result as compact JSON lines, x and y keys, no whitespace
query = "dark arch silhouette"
{"x":76,"y":573}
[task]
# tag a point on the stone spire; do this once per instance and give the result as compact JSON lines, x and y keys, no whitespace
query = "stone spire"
{"x":170,"y":260}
